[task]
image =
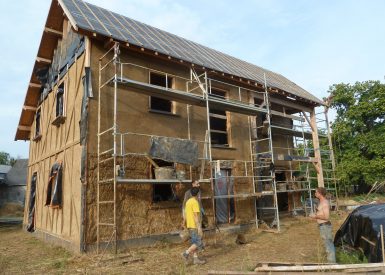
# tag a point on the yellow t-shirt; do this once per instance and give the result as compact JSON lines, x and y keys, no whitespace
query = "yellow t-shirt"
{"x":192,"y":206}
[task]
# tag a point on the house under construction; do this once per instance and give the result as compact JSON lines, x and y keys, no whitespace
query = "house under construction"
{"x":122,"y":116}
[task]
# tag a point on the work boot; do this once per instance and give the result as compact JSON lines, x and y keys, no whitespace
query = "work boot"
{"x":198,"y":261}
{"x":184,"y":256}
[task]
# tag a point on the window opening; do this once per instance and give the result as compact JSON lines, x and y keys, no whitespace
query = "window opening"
{"x":218,"y":122}
{"x":162,"y":192}
{"x":60,"y":101}
{"x":37,"y":123}
{"x":156,"y":103}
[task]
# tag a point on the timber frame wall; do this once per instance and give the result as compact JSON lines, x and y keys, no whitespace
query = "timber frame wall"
{"x":60,"y":142}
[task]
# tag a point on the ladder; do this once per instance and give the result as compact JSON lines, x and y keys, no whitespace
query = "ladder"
{"x":263,"y":160}
{"x":106,"y":224}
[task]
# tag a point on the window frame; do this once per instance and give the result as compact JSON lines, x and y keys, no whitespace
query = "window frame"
{"x":37,"y":134}
{"x":167,"y":86}
{"x":225,"y":117}
{"x":60,"y":118}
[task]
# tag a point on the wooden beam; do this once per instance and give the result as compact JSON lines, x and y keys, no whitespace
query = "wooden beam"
{"x":315,"y":166}
{"x":24,"y":128}
{"x":43,"y":60}
{"x":308,"y":120}
{"x":29,"y":108}
{"x":108,"y":43}
{"x":68,"y":14}
{"x":276,"y":113}
{"x":54,"y":32}
{"x":34,"y":85}
{"x":320,"y":267}
{"x":317,"y":152}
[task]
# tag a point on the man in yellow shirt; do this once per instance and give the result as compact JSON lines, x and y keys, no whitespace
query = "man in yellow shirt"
{"x":194,"y":226}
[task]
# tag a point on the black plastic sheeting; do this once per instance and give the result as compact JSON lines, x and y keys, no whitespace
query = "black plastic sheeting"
{"x":65,"y":55}
{"x":54,"y":188}
{"x":224,"y":207}
{"x":83,"y":123}
{"x":31,"y":204}
{"x":364,"y":222}
{"x":174,"y":150}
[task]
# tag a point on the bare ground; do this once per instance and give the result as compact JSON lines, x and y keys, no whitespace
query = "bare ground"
{"x":298,"y":241}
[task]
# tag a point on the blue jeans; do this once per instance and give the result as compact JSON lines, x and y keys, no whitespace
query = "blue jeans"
{"x":195,"y":238}
{"x":327,"y":237}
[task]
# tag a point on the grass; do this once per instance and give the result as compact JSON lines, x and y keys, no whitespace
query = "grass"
{"x":350,"y":256}
{"x":371,"y":197}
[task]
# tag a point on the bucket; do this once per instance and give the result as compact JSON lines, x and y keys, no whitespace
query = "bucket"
{"x":267,"y":187}
{"x":281,"y":186}
{"x":181,"y":175}
{"x":164,"y":173}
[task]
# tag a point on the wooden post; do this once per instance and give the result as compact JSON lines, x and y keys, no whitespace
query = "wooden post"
{"x":382,"y":243}
{"x":317,"y":152}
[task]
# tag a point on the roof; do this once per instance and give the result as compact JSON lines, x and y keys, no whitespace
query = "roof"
{"x":101,"y":21}
{"x":17,"y":175}
{"x":90,"y":18}
{"x":4,"y":169}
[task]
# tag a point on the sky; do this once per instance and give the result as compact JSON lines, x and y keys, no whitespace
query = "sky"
{"x":313,"y":43}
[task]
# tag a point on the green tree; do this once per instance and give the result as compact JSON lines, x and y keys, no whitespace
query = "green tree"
{"x":6,"y":159}
{"x":359,"y":131}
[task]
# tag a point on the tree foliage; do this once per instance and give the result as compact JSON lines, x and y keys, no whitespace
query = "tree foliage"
{"x":6,"y":159}
{"x":359,"y":131}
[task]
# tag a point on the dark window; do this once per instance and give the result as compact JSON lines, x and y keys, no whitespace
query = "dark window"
{"x":60,"y":101}
{"x":162,"y":192}
{"x":37,"y":124}
{"x":218,"y":122}
{"x":156,"y":103}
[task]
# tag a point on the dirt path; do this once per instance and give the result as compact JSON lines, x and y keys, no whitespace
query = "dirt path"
{"x":299,"y":241}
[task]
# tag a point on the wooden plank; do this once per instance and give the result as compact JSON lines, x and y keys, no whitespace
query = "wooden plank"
{"x":370,"y":242}
{"x":152,"y":162}
{"x":321,"y":267}
{"x":43,"y":60}
{"x":34,"y":85}
{"x":68,"y":15}
{"x":29,"y":108}
{"x":317,"y":153}
{"x":52,"y":31}
{"x":24,"y":128}
{"x":308,"y":121}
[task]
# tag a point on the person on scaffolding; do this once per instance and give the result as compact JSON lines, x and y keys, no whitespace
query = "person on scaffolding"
{"x":322,"y":216}
{"x":194,"y":226}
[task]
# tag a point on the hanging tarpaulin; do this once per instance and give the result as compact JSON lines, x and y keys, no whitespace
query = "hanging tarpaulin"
{"x":31,"y":204}
{"x":174,"y":150}
{"x":224,"y":206}
{"x":54,"y":188}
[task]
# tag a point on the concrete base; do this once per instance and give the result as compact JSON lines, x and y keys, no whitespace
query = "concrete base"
{"x":172,"y":237}
{"x":55,"y":240}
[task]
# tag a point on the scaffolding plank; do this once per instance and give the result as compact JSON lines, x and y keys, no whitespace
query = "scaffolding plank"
{"x":188,"y":98}
{"x":151,"y":181}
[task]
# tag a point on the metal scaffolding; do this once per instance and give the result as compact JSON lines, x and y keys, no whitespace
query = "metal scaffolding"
{"x":260,"y":166}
